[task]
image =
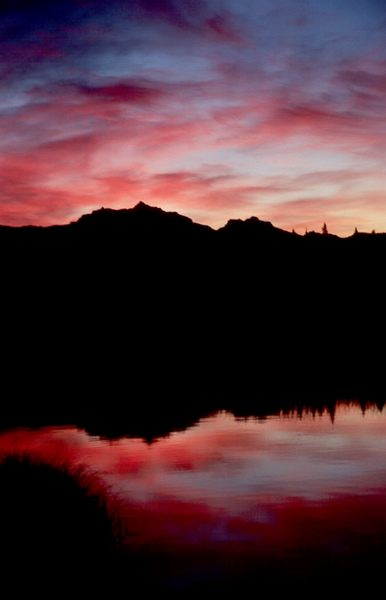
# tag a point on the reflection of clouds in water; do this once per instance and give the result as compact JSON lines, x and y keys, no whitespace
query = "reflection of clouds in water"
{"x":229,"y":464}
{"x":242,"y":483}
{"x":237,"y":461}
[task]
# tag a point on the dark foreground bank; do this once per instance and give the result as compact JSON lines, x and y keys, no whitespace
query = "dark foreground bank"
{"x":56,"y":532}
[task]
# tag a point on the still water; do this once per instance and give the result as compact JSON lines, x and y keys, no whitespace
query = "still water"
{"x":232,"y":497}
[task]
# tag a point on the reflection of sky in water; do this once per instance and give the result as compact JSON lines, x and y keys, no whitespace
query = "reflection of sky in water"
{"x":234,"y":480}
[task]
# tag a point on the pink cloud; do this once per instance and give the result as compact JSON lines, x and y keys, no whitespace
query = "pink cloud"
{"x":318,"y":125}
{"x":121,"y":92}
{"x":267,"y":117}
{"x":222,"y":27}
{"x":46,"y":187}
{"x":115,"y":141}
{"x":26,"y":197}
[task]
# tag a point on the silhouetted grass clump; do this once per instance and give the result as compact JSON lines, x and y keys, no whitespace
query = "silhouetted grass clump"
{"x":54,"y":525}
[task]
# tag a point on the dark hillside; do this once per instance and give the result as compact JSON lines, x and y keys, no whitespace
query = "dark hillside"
{"x":143,"y":310}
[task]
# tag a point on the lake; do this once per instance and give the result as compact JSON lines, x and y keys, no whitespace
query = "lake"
{"x":233,"y":500}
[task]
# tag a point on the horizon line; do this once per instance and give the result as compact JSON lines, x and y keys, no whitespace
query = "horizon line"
{"x":323,"y":230}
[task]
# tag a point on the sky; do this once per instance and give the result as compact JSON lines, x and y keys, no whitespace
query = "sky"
{"x":218,"y":109}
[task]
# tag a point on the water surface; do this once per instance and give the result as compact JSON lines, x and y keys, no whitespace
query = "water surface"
{"x":235,"y":499}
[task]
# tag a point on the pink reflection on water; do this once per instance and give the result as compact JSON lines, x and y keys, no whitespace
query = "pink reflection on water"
{"x":256,"y":487}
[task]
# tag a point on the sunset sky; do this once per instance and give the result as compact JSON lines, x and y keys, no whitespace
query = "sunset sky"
{"x":215,"y":108}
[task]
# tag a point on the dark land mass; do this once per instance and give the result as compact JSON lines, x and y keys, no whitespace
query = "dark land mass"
{"x":140,"y":321}
{"x":56,"y":531}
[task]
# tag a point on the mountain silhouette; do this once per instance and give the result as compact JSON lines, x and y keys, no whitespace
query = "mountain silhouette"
{"x":147,"y":219}
{"x":254,"y":228}
{"x":143,"y":312}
